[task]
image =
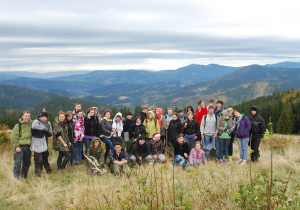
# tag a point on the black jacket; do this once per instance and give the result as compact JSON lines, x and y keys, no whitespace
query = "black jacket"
{"x":180,"y":150}
{"x":142,"y":115}
{"x":192,"y":128}
{"x":140,"y":150}
{"x":137,"y":130}
{"x":71,"y":130}
{"x":127,"y":124}
{"x":175,"y":128}
{"x":258,"y":125}
{"x":91,"y":126}
{"x":114,"y":156}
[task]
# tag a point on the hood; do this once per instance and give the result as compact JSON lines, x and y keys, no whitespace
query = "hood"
{"x":118,"y":114}
{"x":160,"y":112}
{"x":21,"y":120}
{"x":40,"y":120}
{"x":150,"y":112}
{"x":226,"y":113}
{"x":190,"y":108}
{"x":94,"y":140}
{"x":255,"y":108}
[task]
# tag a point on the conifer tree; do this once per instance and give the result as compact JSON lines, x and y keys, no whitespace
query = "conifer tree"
{"x":285,"y":122}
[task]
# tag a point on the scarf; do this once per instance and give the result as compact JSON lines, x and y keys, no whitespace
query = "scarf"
{"x":181,"y":116}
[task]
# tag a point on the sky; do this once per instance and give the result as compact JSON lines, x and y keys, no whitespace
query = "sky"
{"x":45,"y":36}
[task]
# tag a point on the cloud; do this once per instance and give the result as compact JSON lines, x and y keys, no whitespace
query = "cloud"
{"x":76,"y":35}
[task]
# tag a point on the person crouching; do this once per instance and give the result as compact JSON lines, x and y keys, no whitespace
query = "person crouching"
{"x":119,"y":160}
{"x":157,"y":148}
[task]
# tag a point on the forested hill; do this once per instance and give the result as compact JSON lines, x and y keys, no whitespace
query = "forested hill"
{"x":284,"y":108}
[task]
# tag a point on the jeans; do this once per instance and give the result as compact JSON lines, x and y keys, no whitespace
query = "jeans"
{"x":217,"y":148}
{"x":116,"y":139}
{"x":109,"y":146}
{"x":87,"y":143}
{"x":224,"y":144}
{"x":230,"y":148}
{"x":255,"y":141}
{"x":207,"y":140}
{"x":61,"y":164}
{"x":178,"y":159}
{"x":78,"y":152}
{"x":22,"y":159}
{"x":243,"y":144}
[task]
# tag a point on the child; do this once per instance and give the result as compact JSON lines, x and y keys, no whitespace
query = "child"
{"x":181,"y":151}
{"x":197,"y":155}
{"x":191,"y":130}
{"x":78,"y":121}
{"x":224,"y":124}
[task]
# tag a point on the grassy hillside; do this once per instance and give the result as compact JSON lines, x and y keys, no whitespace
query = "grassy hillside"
{"x":226,"y":186}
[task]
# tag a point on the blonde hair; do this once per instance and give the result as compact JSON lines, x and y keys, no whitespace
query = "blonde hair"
{"x":230,"y":109}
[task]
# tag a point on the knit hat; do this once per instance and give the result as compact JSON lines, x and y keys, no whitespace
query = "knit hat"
{"x":254,"y":108}
{"x":129,"y":113}
{"x":44,"y":114}
{"x":156,"y":135}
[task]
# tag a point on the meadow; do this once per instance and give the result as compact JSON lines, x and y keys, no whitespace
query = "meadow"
{"x":215,"y":186}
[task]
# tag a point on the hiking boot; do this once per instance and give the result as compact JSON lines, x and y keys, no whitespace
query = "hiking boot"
{"x":230,"y":158}
{"x":117,"y":173}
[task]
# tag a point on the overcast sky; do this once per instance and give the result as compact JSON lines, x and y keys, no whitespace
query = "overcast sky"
{"x":165,"y":34}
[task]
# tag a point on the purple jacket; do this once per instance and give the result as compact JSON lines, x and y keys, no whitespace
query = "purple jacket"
{"x":243,"y":130}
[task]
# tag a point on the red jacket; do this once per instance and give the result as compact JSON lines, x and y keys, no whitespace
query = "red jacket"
{"x":199,"y":115}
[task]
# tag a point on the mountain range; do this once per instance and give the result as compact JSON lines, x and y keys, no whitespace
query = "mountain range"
{"x":180,"y":87}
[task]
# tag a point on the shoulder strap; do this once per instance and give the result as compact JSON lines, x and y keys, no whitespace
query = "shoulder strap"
{"x":20,"y":129}
{"x":205,"y":116}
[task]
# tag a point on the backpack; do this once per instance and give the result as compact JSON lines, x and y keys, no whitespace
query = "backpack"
{"x":215,"y":117}
{"x":20,"y":133}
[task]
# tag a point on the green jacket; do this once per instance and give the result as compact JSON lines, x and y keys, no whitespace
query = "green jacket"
{"x":61,"y":129}
{"x":97,"y":154}
{"x":23,"y":137}
{"x":151,"y":126}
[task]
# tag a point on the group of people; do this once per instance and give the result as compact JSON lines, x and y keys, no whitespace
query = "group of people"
{"x":193,"y":135}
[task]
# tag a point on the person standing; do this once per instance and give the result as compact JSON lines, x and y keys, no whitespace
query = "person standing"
{"x":200,"y":111}
{"x":71,"y":134}
{"x":91,"y":129}
{"x":78,"y":121}
{"x":191,"y":130}
{"x":41,"y":129}
{"x":218,"y":111}
{"x":224,"y":124}
{"x":21,"y":141}
{"x":258,"y":128}
{"x":151,"y":126}
{"x":242,"y":132}
{"x":61,"y":140}
{"x":143,"y":113}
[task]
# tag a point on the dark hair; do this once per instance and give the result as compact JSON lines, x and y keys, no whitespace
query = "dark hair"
{"x":138,"y":117}
{"x":220,"y":102}
{"x":180,"y":135}
{"x":79,"y":110}
{"x":175,"y":113}
{"x":211,"y":100}
{"x":105,"y":111}
{"x":200,"y":102}
{"x":69,"y":114}
{"x":117,"y":143}
{"x":180,"y":110}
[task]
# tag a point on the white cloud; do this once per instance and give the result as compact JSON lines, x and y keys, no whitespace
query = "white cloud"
{"x":94,"y":34}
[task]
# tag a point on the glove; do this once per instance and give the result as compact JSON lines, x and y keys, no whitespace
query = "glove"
{"x":46,"y":129}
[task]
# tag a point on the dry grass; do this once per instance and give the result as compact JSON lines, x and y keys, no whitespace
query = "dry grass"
{"x":207,"y":187}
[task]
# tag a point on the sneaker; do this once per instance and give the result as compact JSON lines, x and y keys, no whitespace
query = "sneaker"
{"x":239,"y":161}
{"x":243,"y":162}
{"x":217,"y":160}
{"x":221,"y":161}
{"x":225,"y":161}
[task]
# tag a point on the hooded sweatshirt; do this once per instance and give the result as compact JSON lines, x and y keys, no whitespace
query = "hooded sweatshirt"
{"x":224,"y":125}
{"x":24,"y":136}
{"x":39,"y":135}
{"x":151,"y":126}
{"x":161,"y":120}
{"x":97,"y":153}
{"x":117,"y":125}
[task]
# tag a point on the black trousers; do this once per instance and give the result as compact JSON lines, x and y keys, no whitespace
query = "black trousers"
{"x":22,"y":160}
{"x":72,"y":153}
{"x":230,"y":148}
{"x":255,"y":141}
{"x":61,"y":164}
{"x":40,"y":160}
